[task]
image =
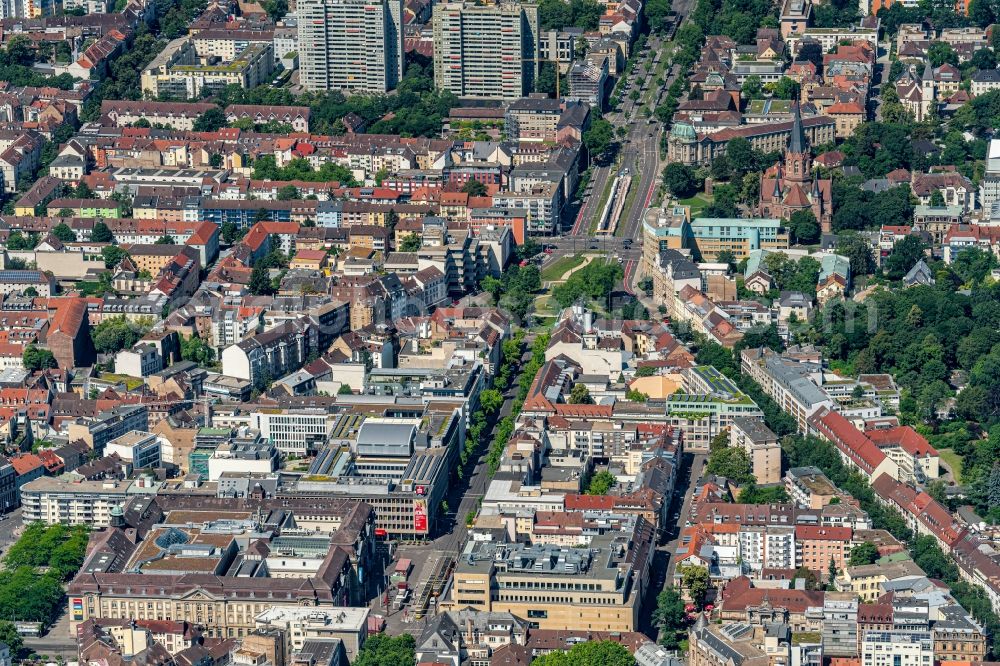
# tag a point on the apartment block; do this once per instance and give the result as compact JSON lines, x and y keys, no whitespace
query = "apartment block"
{"x":809,"y":487}
{"x":486,"y":50}
{"x":185,"y":70}
{"x":761,"y":445}
{"x":97,"y":432}
{"x":789,"y":383}
{"x":54,"y":500}
{"x":351,"y":44}
{"x":707,"y":406}
{"x":821,"y":547}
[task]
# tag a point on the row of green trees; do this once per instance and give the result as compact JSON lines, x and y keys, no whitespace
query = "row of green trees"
{"x":415,"y":108}
{"x":515,"y":289}
{"x":34,"y":570}
{"x":738,"y":19}
{"x":512,"y":361}
{"x":265,"y":167}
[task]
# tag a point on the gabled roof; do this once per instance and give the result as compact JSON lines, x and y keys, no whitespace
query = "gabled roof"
{"x":852,"y":442}
{"x":68,"y":317}
{"x":739,"y":595}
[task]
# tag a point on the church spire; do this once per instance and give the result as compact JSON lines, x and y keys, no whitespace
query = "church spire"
{"x":797,"y":143}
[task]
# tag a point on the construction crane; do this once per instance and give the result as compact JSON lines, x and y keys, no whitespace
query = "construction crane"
{"x":554,"y":62}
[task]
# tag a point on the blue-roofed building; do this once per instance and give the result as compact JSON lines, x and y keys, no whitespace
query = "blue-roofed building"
{"x":834,"y":264}
{"x":245,"y":213}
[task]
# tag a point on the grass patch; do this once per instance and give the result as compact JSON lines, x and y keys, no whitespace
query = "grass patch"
{"x":629,"y":199}
{"x":544,"y":306}
{"x":698,"y":203}
{"x":543,"y":324}
{"x":557,"y":268}
{"x":605,"y":195}
{"x":131,"y":383}
{"x":954,"y":463}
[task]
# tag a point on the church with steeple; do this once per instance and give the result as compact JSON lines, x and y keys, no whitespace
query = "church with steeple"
{"x":791,"y":185}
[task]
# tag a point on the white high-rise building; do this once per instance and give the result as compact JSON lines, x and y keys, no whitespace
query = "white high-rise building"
{"x":989,"y":186}
{"x":353,"y":45}
{"x":486,"y":50}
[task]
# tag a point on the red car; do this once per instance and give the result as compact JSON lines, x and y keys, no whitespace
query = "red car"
{"x":548,"y":250}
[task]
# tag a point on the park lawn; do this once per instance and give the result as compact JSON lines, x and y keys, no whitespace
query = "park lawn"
{"x":557,"y":268}
{"x":698,"y":202}
{"x":954,"y":463}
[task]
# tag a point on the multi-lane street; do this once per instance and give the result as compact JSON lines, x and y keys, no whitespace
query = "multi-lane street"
{"x":638,"y":158}
{"x":639,"y":153}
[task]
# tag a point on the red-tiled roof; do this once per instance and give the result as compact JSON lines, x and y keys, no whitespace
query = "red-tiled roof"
{"x":851,"y":441}
{"x":577,"y":502}
{"x":905,"y":437}
{"x":310,"y":255}
{"x":26,"y":463}
{"x":874,"y":613}
{"x":738,"y":595}
{"x":584,"y":411}
{"x":69,"y":316}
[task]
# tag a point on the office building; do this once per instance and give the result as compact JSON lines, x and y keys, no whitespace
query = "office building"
{"x":599,"y":587}
{"x":243,"y":454}
{"x":294,"y":431}
{"x":301,"y":624}
{"x":350,"y":44}
{"x":588,"y":80}
{"x":140,"y":449}
{"x":840,"y":625}
{"x":486,"y":50}
{"x":53,"y":500}
{"x":897,"y":648}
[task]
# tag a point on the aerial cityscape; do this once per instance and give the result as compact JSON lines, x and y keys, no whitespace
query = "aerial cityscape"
{"x":499,"y":332}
